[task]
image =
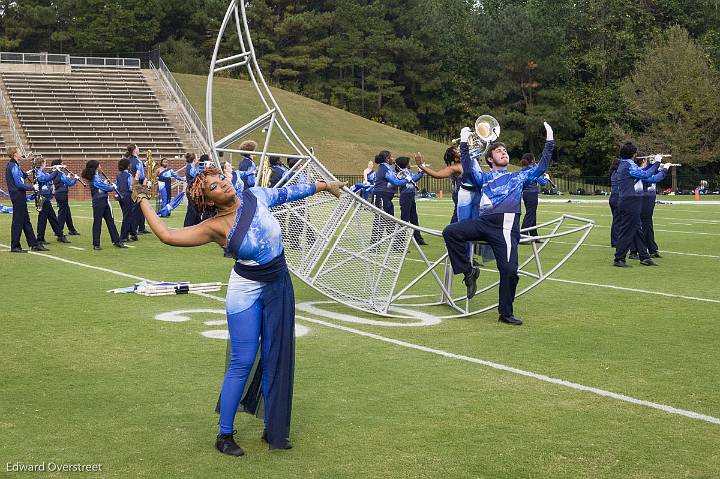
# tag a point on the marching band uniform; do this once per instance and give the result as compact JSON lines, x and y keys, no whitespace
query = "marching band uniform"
{"x":124,"y":184}
{"x":261,"y":303}
{"x":102,"y":210}
{"x":246,"y":170}
{"x":646,"y":216}
{"x":47,"y":213}
{"x":614,"y":198}
{"x":630,"y":201}
{"x":498,"y":223}
{"x":408,"y":207}
{"x":64,"y":215}
{"x":17,"y":188}
{"x":165,"y":178}
{"x":277,"y":174}
{"x":531,"y":194}
{"x":136,"y":165}
{"x":386,"y":182}
{"x":192,"y":217}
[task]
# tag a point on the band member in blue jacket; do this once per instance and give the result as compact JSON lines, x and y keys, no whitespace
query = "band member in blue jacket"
{"x":499,"y":220}
{"x":645,"y":245}
{"x":260,"y":297}
{"x":408,"y":207}
{"x":531,"y":195}
{"x":124,"y":185}
{"x":613,"y":200}
{"x":64,"y":215}
{"x":137,"y":169}
{"x":17,"y":189}
{"x":247,"y":169}
{"x":630,"y":190}
{"x":165,"y":178}
{"x":101,"y":205}
{"x":47,"y":213}
{"x":277,"y":169}
{"x":386,"y":182}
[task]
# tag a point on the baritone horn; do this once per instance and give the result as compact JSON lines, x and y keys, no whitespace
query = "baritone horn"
{"x":487,"y":130}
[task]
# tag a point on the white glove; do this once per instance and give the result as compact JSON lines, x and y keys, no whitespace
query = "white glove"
{"x":657,"y":158}
{"x":667,"y":166}
{"x":548,"y":131}
{"x":465,"y":135}
{"x":114,"y":185}
{"x":546,"y":176}
{"x":36,"y":188}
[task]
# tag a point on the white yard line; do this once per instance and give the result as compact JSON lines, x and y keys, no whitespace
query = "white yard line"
{"x":77,"y":248}
{"x":663,"y":251}
{"x":439,"y":352}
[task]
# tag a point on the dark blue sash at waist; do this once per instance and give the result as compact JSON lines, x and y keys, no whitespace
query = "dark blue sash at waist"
{"x":263,"y":273}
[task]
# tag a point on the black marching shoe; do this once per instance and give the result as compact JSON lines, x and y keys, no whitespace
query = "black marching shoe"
{"x":422,"y":242}
{"x":39,"y":247}
{"x":285,"y":443}
{"x":42,"y":242}
{"x":97,"y":248}
{"x":655,"y":255}
{"x":143,"y":232}
{"x":510,"y":320}
{"x":120,"y":244}
{"x":470,"y":281}
{"x":73,"y":233}
{"x":226,"y":444}
{"x":633,"y":255}
{"x":648,"y":262}
{"x":133,"y":238}
{"x":18,"y":250}
{"x":63,"y":239}
{"x":621,"y":264}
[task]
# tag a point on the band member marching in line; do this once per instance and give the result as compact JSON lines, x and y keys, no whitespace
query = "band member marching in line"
{"x":613,"y":200}
{"x":531,"y":195}
{"x":17,"y":188}
{"x":192,"y":169}
{"x":246,"y":169}
{"x":645,"y":237}
{"x":260,"y":297}
{"x":137,"y":167}
{"x":630,"y":189}
{"x":124,"y":185}
{"x":278,"y":171}
{"x":61,"y":184}
{"x":386,"y":182}
{"x":408,"y":207}
{"x":499,"y":220}
{"x":101,"y":205}
{"x":165,"y":177}
{"x":47,"y":212}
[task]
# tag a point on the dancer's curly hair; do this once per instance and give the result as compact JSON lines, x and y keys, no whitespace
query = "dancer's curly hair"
{"x":197,"y":195}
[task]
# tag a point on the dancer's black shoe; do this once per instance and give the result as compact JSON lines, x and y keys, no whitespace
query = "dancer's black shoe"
{"x":63,"y":239}
{"x":470,"y":281}
{"x":621,"y":264}
{"x":39,"y":247}
{"x":226,"y":444}
{"x":648,"y":262}
{"x":510,"y":320}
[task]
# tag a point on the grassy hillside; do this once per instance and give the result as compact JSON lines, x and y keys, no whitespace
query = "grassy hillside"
{"x":343,"y":142}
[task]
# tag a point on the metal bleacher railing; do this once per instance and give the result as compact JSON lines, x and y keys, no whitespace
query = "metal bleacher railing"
{"x":73,"y":61}
{"x":5,"y":106}
{"x":190,"y":116}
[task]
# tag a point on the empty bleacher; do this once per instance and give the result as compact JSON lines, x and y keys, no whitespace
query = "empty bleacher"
{"x":90,"y":113}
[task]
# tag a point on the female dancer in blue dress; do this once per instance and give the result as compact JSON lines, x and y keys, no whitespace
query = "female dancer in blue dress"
{"x":165,"y":177}
{"x":260,"y":298}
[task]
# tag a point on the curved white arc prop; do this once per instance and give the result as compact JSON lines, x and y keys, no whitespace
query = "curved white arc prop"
{"x":347,"y":249}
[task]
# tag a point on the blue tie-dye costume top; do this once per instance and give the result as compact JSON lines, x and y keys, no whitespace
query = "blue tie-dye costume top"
{"x":502,"y":190}
{"x":263,"y":241}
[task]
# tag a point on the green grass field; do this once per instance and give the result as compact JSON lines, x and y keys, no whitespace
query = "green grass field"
{"x":92,"y":377}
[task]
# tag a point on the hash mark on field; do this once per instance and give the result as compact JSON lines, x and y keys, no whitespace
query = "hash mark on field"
{"x":76,"y":248}
{"x":501,"y":367}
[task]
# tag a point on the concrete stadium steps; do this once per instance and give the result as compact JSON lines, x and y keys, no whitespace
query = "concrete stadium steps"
{"x":92,"y":113}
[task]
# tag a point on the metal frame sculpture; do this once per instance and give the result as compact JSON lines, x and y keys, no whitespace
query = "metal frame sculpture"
{"x":347,"y":249}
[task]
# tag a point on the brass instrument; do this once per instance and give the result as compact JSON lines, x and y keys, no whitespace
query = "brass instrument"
{"x":486,"y":131}
{"x":36,"y":162}
{"x":266,"y":172}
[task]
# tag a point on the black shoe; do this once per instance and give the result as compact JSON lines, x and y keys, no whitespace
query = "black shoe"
{"x":510,"y":320}
{"x":226,"y":444}
{"x":63,"y":239}
{"x":648,"y":262}
{"x":477,"y":263}
{"x":74,"y":233}
{"x":18,"y":250}
{"x":39,"y":247}
{"x":422,"y":242}
{"x":655,"y":255}
{"x":97,"y":248}
{"x":42,"y":242}
{"x":621,"y":264}
{"x":284,"y":444}
{"x":120,"y":244}
{"x":470,"y":281}
{"x":133,"y":238}
{"x":634,"y":256}
{"x":143,"y":232}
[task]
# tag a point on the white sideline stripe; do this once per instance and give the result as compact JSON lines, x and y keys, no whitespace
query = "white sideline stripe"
{"x":397,"y":342}
{"x":77,"y":248}
{"x":635,"y":290}
{"x":521,"y":372}
{"x":663,"y":251}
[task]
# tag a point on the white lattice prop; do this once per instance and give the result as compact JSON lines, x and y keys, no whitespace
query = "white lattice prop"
{"x":347,"y":249}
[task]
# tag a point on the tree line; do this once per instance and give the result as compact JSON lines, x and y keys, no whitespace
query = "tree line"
{"x":600,"y":71}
